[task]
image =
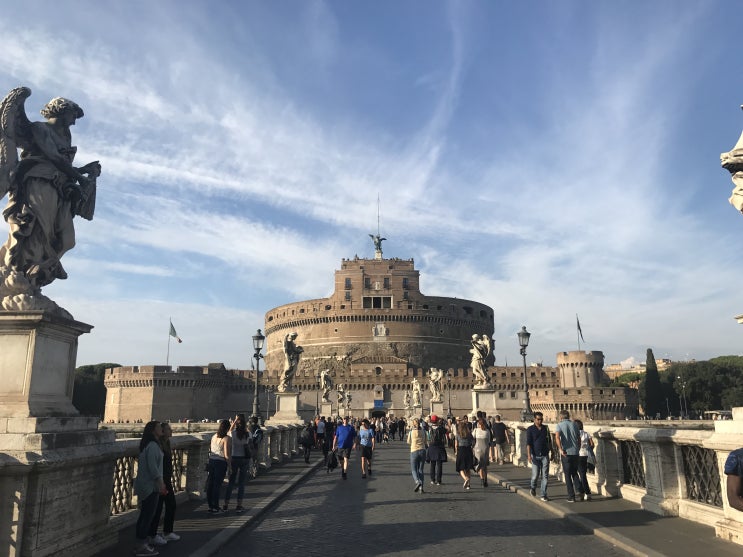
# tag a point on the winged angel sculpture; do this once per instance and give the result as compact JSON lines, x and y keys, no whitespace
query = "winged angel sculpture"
{"x":45,"y":192}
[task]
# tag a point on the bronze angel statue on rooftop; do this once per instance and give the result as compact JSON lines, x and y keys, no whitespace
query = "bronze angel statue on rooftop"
{"x":45,"y":192}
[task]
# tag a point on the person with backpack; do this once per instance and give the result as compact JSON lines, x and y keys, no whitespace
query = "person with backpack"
{"x":436,"y":454}
{"x":306,"y":441}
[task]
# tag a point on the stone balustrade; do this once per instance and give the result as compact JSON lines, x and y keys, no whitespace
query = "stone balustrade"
{"x":670,"y":471}
{"x":96,"y":482}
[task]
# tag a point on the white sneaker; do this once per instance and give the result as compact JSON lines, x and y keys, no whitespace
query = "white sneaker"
{"x":146,"y":551}
{"x":172,"y":537}
{"x":158,"y":540}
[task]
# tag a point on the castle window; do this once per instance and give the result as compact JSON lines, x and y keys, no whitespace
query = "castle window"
{"x":483,"y":313}
{"x":328,"y":308}
{"x":601,"y":391}
{"x":377,"y":302}
{"x":386,"y":282}
{"x":348,"y":296}
{"x":579,"y":391}
{"x":425,"y":306}
{"x":367,"y":282}
{"x":405,"y":297}
{"x":467,"y":310}
{"x":301,"y":310}
{"x":348,"y":284}
{"x":513,"y":394}
{"x":565,"y":392}
{"x":501,"y":395}
{"x":405,"y":283}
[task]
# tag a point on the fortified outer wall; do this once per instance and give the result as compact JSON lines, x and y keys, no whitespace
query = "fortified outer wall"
{"x":158,"y":393}
{"x":377,"y":311}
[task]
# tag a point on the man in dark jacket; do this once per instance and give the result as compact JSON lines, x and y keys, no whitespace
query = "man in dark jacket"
{"x":436,"y":449}
{"x":538,"y":449}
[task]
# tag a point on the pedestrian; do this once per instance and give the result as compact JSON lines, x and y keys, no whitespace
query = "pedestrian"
{"x":220,"y":453}
{"x":463,"y":447}
{"x":501,"y":440}
{"x":539,"y":453}
{"x":366,"y":443}
{"x":242,"y":444}
{"x":256,"y":437}
{"x":401,"y":428}
{"x":436,"y":454}
{"x":481,"y":449}
{"x":586,"y":449}
{"x":568,"y":443}
{"x":167,"y":500}
{"x":320,"y":432}
{"x":148,"y":485}
{"x":417,"y":442}
{"x":734,"y":472}
{"x":393,"y":428}
{"x":345,"y":435}
{"x":306,"y":441}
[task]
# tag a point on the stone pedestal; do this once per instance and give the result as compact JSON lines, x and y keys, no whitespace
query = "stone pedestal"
{"x":286,"y":410}
{"x":37,"y":359}
{"x":437,"y":408}
{"x":326,"y":409}
{"x":484,"y":400}
{"x":55,"y":466}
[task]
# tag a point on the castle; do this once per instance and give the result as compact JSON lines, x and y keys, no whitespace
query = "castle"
{"x":375,"y":334}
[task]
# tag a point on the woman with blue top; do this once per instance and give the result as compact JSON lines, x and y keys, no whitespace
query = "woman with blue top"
{"x":148,"y":485}
{"x":366,"y":442}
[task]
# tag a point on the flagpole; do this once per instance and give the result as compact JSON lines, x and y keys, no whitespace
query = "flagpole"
{"x":167,"y":357}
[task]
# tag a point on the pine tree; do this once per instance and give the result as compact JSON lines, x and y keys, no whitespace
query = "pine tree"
{"x":652,"y":388}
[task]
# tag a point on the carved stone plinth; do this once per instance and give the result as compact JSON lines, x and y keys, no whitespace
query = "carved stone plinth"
{"x":326,"y":409}
{"x":437,"y":408}
{"x":484,"y":400}
{"x":37,"y":358}
{"x":286,"y":410}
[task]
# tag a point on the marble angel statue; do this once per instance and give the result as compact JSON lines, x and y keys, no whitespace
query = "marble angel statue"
{"x":45,"y":192}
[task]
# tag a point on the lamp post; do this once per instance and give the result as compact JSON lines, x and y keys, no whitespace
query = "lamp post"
{"x":258,"y":340}
{"x":526,"y":413}
{"x":317,"y":394}
{"x":448,"y":392}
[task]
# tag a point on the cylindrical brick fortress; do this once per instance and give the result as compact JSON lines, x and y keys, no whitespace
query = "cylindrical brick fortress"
{"x":377,"y":311}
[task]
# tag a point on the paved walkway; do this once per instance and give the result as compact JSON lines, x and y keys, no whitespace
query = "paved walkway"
{"x":301,"y":510}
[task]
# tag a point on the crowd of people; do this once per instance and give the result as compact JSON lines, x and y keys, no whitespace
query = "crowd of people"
{"x":476,"y":442}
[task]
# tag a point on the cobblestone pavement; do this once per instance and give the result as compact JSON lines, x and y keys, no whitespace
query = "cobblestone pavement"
{"x":382,"y":515}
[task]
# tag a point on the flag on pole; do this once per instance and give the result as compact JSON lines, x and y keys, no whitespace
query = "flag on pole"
{"x":173,"y":333}
{"x":577,"y":321}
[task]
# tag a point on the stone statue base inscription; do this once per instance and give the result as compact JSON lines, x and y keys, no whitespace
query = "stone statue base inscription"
{"x":326,"y":409}
{"x":484,"y":400}
{"x":38,"y":352}
{"x":437,"y":408}
{"x":286,"y":410}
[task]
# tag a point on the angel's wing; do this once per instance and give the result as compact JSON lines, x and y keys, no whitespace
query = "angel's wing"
{"x":15,"y":132}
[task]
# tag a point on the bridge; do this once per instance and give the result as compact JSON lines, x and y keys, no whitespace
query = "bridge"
{"x":299,"y":509}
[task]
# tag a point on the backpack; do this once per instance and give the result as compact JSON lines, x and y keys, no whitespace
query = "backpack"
{"x":305,"y":437}
{"x":437,"y":436}
{"x":332,"y":460}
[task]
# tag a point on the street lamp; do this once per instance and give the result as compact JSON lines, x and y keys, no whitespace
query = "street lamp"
{"x":258,"y":340}
{"x":317,"y":394}
{"x":526,"y":414}
{"x":448,"y":391}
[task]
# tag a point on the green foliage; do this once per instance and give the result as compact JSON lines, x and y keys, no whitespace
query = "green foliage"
{"x":626,"y":378}
{"x":89,"y":396}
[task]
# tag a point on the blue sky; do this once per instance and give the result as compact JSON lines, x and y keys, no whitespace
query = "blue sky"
{"x":544,"y":158}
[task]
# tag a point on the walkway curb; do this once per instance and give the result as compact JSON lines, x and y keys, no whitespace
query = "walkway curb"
{"x":608,"y":534}
{"x":257,"y":511}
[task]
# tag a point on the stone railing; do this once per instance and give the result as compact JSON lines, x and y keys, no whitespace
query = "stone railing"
{"x":671,"y":471}
{"x":190,"y":456}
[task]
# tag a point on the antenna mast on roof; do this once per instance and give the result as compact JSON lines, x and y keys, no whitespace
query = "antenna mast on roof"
{"x":378,"y":238}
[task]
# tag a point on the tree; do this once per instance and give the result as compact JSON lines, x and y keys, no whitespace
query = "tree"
{"x":651,"y":388}
{"x":89,"y":396}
